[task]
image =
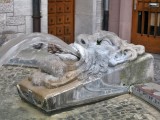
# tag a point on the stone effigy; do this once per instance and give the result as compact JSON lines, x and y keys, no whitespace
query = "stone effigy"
{"x":92,"y":68}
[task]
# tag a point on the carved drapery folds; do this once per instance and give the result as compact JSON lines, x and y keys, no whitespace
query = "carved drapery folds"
{"x":92,"y":55}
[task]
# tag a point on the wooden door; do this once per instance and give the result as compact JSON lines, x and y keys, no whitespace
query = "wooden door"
{"x":61,"y":19}
{"x":146,"y":24}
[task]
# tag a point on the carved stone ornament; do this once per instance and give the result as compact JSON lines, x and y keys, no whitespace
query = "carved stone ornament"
{"x":92,"y":68}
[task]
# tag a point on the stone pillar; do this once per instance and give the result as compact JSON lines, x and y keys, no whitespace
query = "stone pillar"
{"x":125,"y":21}
{"x":44,"y":14}
{"x":114,"y":16}
{"x":99,"y":14}
{"x":85,"y":16}
{"x":16,"y":16}
{"x":120,"y":18}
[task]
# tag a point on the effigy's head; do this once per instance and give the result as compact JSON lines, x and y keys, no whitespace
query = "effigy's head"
{"x":101,"y":39}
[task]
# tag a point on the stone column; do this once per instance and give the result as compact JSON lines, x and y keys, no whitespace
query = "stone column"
{"x":114,"y":16}
{"x":85,"y":16}
{"x":120,"y":18}
{"x":125,"y":21}
{"x":44,"y":14}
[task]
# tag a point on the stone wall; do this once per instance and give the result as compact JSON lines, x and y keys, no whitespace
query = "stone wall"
{"x":99,"y":14}
{"x":120,"y":18}
{"x":125,"y":21}
{"x":88,"y":16}
{"x":16,"y":15}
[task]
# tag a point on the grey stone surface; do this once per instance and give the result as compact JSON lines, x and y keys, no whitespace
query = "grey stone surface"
{"x":81,"y":26}
{"x":6,"y":6}
{"x":139,"y":71}
{"x":10,"y":14}
{"x":44,"y":19}
{"x":17,"y":20}
{"x":88,"y":16}
{"x":44,"y":24}
{"x":2,"y":22}
{"x":149,"y":92}
{"x":10,"y":28}
{"x":8,"y":35}
{"x":126,"y":107}
{"x":85,"y":7}
{"x":29,"y":23}
{"x":23,"y":8}
{"x":98,"y":27}
{"x":88,"y":10}
{"x":99,"y":14}
{"x":19,"y":12}
{"x":103,"y":58}
{"x":21,"y":28}
{"x":157,"y":67}
{"x":97,"y":73}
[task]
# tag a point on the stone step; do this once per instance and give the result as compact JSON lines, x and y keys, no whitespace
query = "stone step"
{"x":149,"y":92}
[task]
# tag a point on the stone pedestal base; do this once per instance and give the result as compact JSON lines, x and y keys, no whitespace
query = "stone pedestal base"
{"x":112,"y":83}
{"x":149,"y":92}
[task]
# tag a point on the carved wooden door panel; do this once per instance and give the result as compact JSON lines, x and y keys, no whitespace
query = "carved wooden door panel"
{"x":146,"y":24}
{"x":61,"y":19}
